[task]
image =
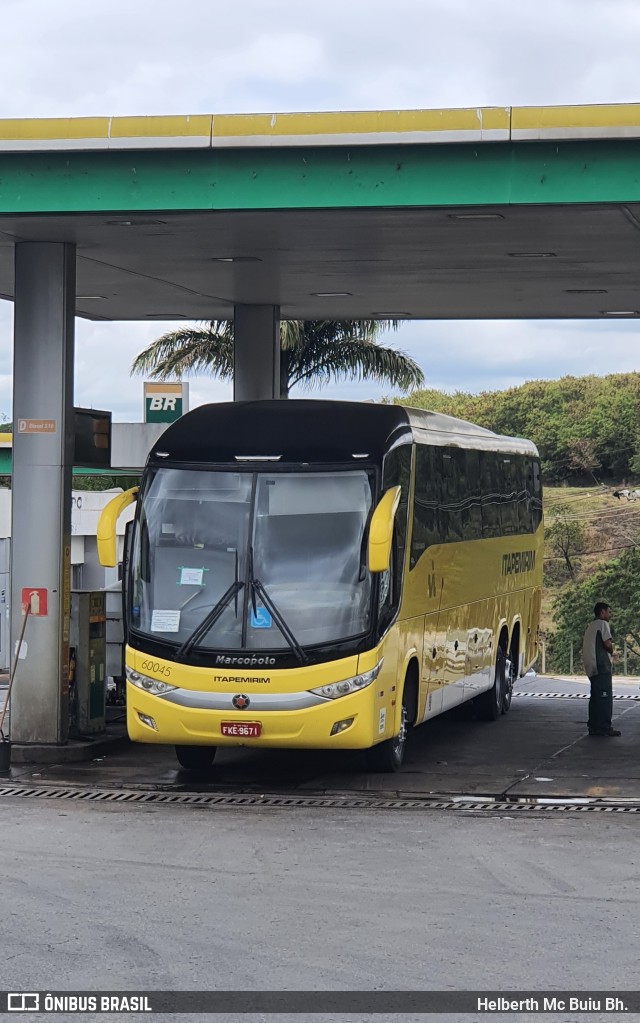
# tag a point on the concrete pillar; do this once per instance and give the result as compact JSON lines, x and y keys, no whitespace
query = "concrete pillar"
{"x":256,"y":357}
{"x":41,"y":486}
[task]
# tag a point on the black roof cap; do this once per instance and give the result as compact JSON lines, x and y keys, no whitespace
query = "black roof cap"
{"x":298,"y":430}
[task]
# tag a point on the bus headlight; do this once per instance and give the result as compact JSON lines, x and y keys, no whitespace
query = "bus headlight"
{"x":349,"y":685}
{"x":149,"y":685}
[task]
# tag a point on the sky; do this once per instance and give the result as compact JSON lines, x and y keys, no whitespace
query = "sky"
{"x":111,"y":57}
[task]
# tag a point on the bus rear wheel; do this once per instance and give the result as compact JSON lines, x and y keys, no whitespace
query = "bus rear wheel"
{"x":490,"y":704}
{"x":196,"y":758}
{"x":387,"y":756}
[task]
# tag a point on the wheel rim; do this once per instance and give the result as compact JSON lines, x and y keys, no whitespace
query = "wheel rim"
{"x":510,"y":676}
{"x":399,"y":741}
{"x":499,"y":681}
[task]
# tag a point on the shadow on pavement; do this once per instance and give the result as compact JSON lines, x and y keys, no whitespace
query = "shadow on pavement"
{"x":540,"y":748}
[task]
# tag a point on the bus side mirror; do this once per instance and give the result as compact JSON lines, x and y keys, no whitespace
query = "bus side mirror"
{"x":381,"y":531}
{"x":106,"y":534}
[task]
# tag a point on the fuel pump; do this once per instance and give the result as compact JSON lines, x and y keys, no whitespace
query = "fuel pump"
{"x":87,"y":667}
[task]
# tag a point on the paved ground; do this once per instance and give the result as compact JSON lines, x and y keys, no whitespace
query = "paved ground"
{"x":104,"y":897}
{"x":541,"y":748}
{"x":155,"y":897}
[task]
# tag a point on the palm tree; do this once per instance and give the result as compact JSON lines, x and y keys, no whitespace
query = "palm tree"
{"x":312,"y":353}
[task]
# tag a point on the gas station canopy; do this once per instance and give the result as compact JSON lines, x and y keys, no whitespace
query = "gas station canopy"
{"x":478,"y":213}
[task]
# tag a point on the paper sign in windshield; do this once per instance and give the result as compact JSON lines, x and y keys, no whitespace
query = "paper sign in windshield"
{"x":191,"y":576}
{"x":165,"y":621}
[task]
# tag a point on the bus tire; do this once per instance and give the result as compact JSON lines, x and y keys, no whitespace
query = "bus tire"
{"x":195,"y":758}
{"x":489,"y":705}
{"x":387,"y":756}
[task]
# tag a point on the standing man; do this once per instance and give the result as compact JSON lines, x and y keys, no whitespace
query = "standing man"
{"x":597,"y":649}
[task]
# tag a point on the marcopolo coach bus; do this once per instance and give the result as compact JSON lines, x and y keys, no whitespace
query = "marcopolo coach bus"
{"x":320,"y":574}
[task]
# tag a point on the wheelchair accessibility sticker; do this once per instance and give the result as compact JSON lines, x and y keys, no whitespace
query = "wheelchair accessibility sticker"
{"x":260,"y":618}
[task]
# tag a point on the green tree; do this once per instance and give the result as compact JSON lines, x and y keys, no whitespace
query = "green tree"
{"x":566,"y":537}
{"x":312,"y":353}
{"x":104,"y":482}
{"x":634,"y":461}
{"x":579,"y":424}
{"x":582,"y":457}
{"x":615,"y":582}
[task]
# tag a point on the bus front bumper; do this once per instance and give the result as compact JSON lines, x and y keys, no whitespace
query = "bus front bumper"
{"x":351,"y":719}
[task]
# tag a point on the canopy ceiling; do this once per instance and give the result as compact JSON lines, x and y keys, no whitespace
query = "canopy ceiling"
{"x":423,"y":214}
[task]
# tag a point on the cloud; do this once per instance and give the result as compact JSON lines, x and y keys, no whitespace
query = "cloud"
{"x":210,"y":56}
{"x":454,"y":355}
{"x":113,"y":347}
{"x":494,"y":354}
{"x":103,"y":357}
{"x":155,"y":56}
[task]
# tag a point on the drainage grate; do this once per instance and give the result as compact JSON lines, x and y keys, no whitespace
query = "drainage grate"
{"x":570,"y":696}
{"x":248,"y":799}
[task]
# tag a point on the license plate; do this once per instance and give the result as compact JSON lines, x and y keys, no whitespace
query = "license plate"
{"x":241,"y":729}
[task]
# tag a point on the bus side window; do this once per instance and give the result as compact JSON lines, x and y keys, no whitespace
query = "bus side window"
{"x":509,"y":505}
{"x":491,"y":493}
{"x":534,"y":497}
{"x":536,"y":502}
{"x":472,"y":498}
{"x":452,"y":491}
{"x":425,"y":528}
{"x":525,"y":504}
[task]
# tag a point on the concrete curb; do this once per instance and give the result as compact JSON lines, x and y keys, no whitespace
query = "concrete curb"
{"x":75,"y":750}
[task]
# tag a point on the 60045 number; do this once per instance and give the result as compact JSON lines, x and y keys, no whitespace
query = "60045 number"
{"x":155,"y":666}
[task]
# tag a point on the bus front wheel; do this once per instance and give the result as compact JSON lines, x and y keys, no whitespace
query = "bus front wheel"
{"x":195,"y":758}
{"x":490,"y":704}
{"x":387,"y":756}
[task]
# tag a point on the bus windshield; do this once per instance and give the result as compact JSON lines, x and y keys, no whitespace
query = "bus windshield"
{"x":204,"y":538}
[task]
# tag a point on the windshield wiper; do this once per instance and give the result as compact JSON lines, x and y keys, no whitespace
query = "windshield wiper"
{"x":257,"y":587}
{"x":209,"y":620}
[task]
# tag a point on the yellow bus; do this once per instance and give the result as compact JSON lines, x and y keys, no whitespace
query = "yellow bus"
{"x":321,"y":574}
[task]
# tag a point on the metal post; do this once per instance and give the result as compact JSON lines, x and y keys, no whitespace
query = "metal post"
{"x":41,"y":487}
{"x":624,"y":656}
{"x":543,"y":649}
{"x":571,"y":658}
{"x":256,"y":352}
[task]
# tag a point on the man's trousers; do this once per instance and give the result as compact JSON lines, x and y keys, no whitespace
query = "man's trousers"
{"x":600,"y":704}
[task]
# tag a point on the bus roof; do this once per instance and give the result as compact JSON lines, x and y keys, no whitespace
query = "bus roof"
{"x":302,"y":430}
{"x":437,"y":428}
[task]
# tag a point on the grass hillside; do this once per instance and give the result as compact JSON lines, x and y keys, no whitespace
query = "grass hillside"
{"x":603,"y":528}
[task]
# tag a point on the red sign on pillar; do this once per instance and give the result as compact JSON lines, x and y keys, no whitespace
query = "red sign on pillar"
{"x":34,"y":598}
